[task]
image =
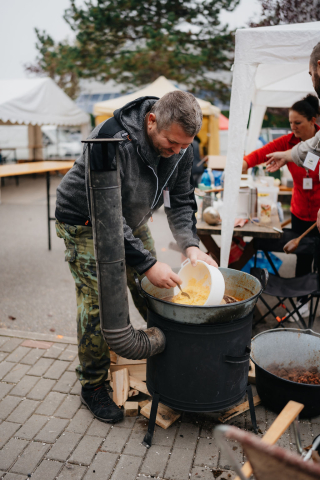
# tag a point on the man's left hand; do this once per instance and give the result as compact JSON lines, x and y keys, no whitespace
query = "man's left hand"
{"x":194,"y":254}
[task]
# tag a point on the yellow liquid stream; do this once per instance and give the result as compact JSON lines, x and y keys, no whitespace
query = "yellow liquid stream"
{"x":197,"y":291}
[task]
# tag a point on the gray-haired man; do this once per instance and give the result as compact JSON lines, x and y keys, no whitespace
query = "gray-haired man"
{"x":156,"y":158}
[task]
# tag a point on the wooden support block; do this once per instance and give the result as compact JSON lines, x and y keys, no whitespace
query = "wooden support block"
{"x":144,"y":402}
{"x":252,"y":373}
{"x":131,"y":409}
{"x":136,"y":384}
{"x":113,"y":357}
{"x":133,"y":393}
{"x":138,"y":371}
{"x":120,"y":386}
{"x":165,"y":415}
{"x":127,"y":361}
{"x":243,"y":407}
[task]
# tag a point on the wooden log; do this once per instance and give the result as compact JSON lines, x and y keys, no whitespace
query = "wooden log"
{"x":165,"y":415}
{"x":138,"y":371}
{"x":113,"y":357}
{"x":120,"y":386}
{"x":252,"y":373}
{"x":127,"y":361}
{"x":131,"y":409}
{"x":279,"y":426}
{"x":133,"y":393}
{"x":136,"y":384}
{"x":243,"y":407}
{"x":144,"y":402}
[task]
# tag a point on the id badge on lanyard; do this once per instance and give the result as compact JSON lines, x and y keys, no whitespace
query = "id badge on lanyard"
{"x":307,"y":182}
{"x":166,"y":197}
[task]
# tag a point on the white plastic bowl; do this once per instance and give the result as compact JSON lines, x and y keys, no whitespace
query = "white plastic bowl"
{"x":215,"y":279}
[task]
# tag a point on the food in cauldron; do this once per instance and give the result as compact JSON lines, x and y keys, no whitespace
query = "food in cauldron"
{"x":298,"y":374}
{"x":198,"y":294}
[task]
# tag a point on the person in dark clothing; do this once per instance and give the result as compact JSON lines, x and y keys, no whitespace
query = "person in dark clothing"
{"x":155,"y":164}
{"x":197,"y":170}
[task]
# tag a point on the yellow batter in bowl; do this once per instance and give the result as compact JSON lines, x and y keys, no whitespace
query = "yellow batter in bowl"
{"x":197,"y":291}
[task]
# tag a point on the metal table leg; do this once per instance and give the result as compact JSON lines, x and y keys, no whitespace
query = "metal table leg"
{"x":48,"y":209}
{"x":252,"y":410}
{"x":147,"y":441}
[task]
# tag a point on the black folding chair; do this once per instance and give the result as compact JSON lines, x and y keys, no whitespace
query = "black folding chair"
{"x":283,"y":289}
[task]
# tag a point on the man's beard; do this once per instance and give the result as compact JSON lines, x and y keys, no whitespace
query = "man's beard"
{"x":317,"y":84}
{"x":158,"y":149}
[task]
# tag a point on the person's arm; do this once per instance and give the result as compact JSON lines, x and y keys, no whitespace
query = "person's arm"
{"x":300,"y":151}
{"x":181,"y":215}
{"x":260,"y":155}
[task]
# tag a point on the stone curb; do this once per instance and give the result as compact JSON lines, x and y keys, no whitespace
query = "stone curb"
{"x":6,"y":332}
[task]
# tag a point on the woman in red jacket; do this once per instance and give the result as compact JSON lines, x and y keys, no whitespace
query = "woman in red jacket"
{"x":305,"y":202}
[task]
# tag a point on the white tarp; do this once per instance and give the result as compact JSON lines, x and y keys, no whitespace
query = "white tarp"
{"x":38,"y":102}
{"x":263,"y":56}
{"x":158,"y":88}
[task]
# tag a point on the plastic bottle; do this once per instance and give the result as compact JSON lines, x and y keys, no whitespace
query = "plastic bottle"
{"x":211,"y":177}
{"x":205,"y":179}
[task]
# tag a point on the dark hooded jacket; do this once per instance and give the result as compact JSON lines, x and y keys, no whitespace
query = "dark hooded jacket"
{"x":144,"y":175}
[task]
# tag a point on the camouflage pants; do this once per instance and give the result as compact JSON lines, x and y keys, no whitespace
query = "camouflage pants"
{"x":93,"y":350}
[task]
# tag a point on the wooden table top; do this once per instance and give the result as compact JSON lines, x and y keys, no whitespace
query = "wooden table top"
{"x":249,"y":229}
{"x":34,"y":167}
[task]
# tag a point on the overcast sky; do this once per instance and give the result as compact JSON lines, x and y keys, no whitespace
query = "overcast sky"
{"x":19,"y":18}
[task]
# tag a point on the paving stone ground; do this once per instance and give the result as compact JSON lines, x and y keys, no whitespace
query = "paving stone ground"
{"x":47,"y":434}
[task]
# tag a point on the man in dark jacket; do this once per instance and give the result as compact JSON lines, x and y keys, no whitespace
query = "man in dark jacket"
{"x":156,"y":158}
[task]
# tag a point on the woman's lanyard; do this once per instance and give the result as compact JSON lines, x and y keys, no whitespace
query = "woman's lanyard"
{"x":307,"y":182}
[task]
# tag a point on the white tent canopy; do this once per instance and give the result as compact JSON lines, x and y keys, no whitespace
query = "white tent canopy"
{"x":264,"y":57}
{"x":272,"y":89}
{"x":38,"y":102}
{"x":158,"y":88}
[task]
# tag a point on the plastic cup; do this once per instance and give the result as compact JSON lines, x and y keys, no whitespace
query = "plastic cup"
{"x":215,"y":279}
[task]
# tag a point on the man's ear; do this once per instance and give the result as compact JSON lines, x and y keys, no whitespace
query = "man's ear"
{"x":152,"y":118}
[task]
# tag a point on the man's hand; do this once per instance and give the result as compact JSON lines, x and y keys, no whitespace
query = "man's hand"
{"x":318,"y":220}
{"x":278,"y":160}
{"x":161,"y":275}
{"x":194,"y":253}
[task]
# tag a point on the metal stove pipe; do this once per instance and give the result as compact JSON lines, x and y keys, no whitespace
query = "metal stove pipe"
{"x":107,"y":226}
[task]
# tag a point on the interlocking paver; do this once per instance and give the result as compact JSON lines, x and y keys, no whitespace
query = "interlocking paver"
{"x":18,"y":354}
{"x":134,"y":445}
{"x":187,"y":436}
{"x":102,"y":466}
{"x":16,"y":373}
{"x":72,"y":472}
{"x":5,"y":367}
{"x":47,"y":470}
{"x":56,"y":369}
{"x":224,"y":461}
{"x":86,"y":450}
{"x":63,"y":447}
{"x":179,"y":464}
{"x":7,"y":405}
{"x":98,"y":429}
{"x":7,"y":430}
{"x":5,"y":389}
{"x":207,"y":453}
{"x":29,"y":459}
{"x":127,"y":468}
{"x":51,"y":431}
{"x":3,"y":355}
{"x":155,"y":461}
{"x":165,"y":437}
{"x":41,"y":366}
{"x":50,"y":403}
{"x":10,"y":345}
{"x":80,"y":421}
{"x":10,"y":452}
{"x":69,"y":407}
{"x":24,"y":386}
{"x":127,"y":422}
{"x":41,"y":389}
{"x":66,"y":382}
{"x":76,"y":390}
{"x":14,"y":476}
{"x":69,"y":353}
{"x":116,"y":440}
{"x":55,"y":351}
{"x":37,"y":344}
{"x":31,"y":427}
{"x":33,"y":356}
{"x":73,"y":365}
{"x":23,"y":411}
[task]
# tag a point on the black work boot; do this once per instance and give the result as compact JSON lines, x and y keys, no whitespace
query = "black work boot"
{"x":100,"y":404}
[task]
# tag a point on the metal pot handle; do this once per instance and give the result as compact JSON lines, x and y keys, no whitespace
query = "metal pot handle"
{"x":138,"y":285}
{"x":241,"y":359}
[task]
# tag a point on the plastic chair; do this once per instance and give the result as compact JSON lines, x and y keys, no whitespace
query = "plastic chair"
{"x":268,"y":462}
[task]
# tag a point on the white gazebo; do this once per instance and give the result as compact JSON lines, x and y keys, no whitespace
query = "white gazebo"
{"x":36,"y":102}
{"x":271,"y":65}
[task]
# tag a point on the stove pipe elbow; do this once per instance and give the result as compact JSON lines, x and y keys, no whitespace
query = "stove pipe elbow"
{"x":108,"y":238}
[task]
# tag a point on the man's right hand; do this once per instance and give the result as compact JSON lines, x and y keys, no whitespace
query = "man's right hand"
{"x":161,"y":275}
